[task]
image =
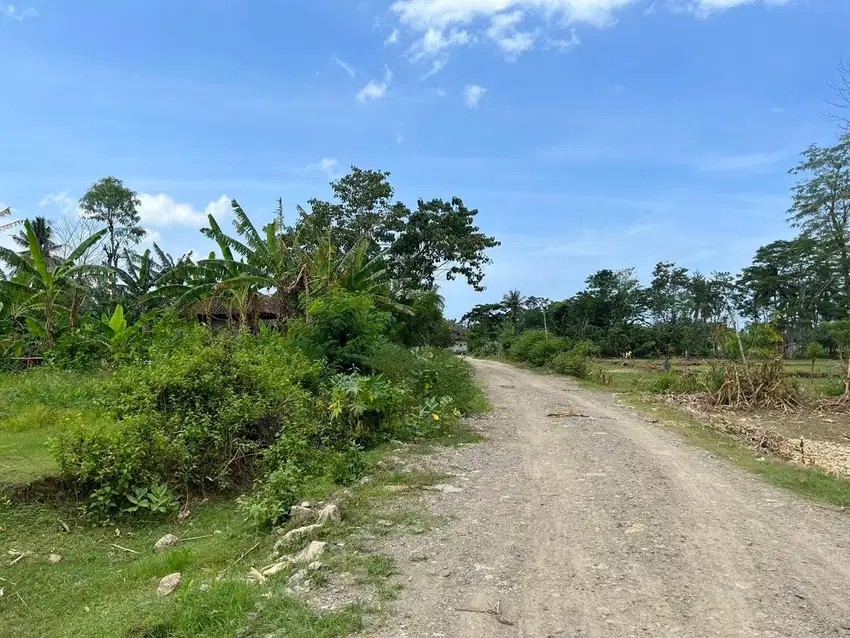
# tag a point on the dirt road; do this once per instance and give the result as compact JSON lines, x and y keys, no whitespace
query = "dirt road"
{"x":612,"y":526}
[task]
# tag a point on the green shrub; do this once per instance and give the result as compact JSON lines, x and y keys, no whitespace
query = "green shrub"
{"x":363,"y":409}
{"x":344,"y":329}
{"x":79,"y":350}
{"x":571,"y":364}
{"x":541,"y":353}
{"x":675,"y":382}
{"x":430,"y":373}
{"x":522,"y":346}
{"x":194,"y":418}
{"x":273,"y":495}
{"x":586,"y":348}
{"x":833,"y":388}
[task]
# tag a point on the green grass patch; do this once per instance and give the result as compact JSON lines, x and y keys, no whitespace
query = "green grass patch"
{"x":99,"y":589}
{"x":36,"y":406}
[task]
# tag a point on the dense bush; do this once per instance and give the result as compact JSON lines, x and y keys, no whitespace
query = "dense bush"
{"x":542,"y":352}
{"x":572,"y":364}
{"x":521,"y":346}
{"x":344,"y":329}
{"x":79,"y":350}
{"x":218,"y":411}
{"x":197,"y":417}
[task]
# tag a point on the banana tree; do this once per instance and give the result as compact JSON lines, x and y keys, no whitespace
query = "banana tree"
{"x":47,"y":283}
{"x":274,"y":262}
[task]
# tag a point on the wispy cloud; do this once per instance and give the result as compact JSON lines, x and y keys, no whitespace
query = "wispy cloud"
{"x":705,"y":8}
{"x":376,"y":90}
{"x":435,"y":41}
{"x":473,"y":94}
{"x":503,"y":31}
{"x":399,"y":138}
{"x":345,"y":66}
{"x":436,"y":67}
{"x":741,"y":161}
{"x":62,"y":201}
{"x":392,"y":38}
{"x":327,"y":165}
{"x":11,"y":11}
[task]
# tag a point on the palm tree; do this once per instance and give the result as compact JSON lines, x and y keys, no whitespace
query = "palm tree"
{"x":45,"y":282}
{"x":513,"y":302}
{"x":44,"y":234}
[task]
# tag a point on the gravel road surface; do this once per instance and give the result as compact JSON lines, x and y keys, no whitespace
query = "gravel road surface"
{"x":608,"y":525}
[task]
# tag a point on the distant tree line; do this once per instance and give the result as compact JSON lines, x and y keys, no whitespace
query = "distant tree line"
{"x":794,"y":293}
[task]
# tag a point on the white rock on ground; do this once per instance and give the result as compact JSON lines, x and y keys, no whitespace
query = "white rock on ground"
{"x":300,"y":513}
{"x":169,"y":584}
{"x":329,"y":512}
{"x":310,"y":553}
{"x":169,"y":540}
{"x":299,"y":532}
{"x":298,"y":577}
{"x":54,"y":558}
{"x":279,"y":566}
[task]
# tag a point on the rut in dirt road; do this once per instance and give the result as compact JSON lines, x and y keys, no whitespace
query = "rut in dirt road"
{"x":607,"y":525}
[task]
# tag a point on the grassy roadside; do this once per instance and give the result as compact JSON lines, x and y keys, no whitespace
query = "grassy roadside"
{"x":105,"y":583}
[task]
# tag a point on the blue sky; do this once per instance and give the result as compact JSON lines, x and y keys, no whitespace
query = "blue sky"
{"x":589,"y":133}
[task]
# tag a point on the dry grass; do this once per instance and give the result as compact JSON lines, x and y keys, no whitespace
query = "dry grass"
{"x":765,"y":385}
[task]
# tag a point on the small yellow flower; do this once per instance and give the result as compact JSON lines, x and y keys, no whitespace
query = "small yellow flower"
{"x":436,"y":416}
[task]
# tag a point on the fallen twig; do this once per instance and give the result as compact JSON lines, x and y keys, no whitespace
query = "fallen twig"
{"x":126,"y":549}
{"x":196,"y":538}
{"x":495,"y":611}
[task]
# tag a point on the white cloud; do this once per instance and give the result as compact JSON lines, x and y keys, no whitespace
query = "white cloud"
{"x":503,"y":31}
{"x":439,"y":14}
{"x":392,"y":38}
{"x":704,"y":8}
{"x":327,"y":165}
{"x":436,"y":67}
{"x":63,"y":201}
{"x":564,"y":45}
{"x":441,"y":93}
{"x":436,"y":40}
{"x":399,"y":138}
{"x":345,"y":66}
{"x":473,"y":94}
{"x":11,"y":11}
{"x":375,"y":90}
{"x":447,"y":23}
{"x":162,"y":210}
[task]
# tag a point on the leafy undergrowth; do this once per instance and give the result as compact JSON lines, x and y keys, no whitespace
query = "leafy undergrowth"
{"x":810,"y":482}
{"x":105,"y":583}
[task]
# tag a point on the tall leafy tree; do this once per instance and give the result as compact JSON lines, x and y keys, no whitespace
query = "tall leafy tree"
{"x":821,"y":203}
{"x":363,"y":209}
{"x":440,"y":240}
{"x":115,"y":206}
